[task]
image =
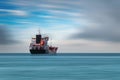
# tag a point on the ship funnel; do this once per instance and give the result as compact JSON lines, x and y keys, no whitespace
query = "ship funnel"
{"x":38,"y":37}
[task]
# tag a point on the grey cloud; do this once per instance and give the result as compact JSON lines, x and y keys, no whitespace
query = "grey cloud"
{"x":99,"y":34}
{"x":106,"y":15}
{"x":5,"y":37}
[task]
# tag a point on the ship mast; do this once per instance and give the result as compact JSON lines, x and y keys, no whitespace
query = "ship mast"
{"x":39,"y":31}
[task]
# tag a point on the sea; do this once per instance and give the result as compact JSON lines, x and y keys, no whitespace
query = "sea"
{"x":61,"y":66}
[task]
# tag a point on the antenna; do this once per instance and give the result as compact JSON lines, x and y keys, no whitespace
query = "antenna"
{"x":39,"y":31}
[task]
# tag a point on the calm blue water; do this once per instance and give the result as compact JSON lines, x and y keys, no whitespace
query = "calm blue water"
{"x":60,"y":67}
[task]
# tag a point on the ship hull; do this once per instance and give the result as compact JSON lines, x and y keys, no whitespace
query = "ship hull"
{"x":38,"y":52}
{"x":41,"y":52}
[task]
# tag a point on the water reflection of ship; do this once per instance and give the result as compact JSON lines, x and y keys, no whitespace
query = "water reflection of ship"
{"x":39,"y":45}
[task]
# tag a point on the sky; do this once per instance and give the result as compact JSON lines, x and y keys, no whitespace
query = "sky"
{"x":75,"y":26}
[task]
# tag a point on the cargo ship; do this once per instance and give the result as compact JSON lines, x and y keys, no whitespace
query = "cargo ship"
{"x":39,"y":45}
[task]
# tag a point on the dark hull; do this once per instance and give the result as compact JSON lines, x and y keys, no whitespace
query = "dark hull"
{"x":38,"y":52}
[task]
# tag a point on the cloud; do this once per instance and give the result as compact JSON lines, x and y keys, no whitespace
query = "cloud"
{"x":54,"y":8}
{"x":15,"y":12}
{"x":98,"y":21}
{"x":104,"y":20}
{"x":5,"y":37}
{"x":101,"y":17}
